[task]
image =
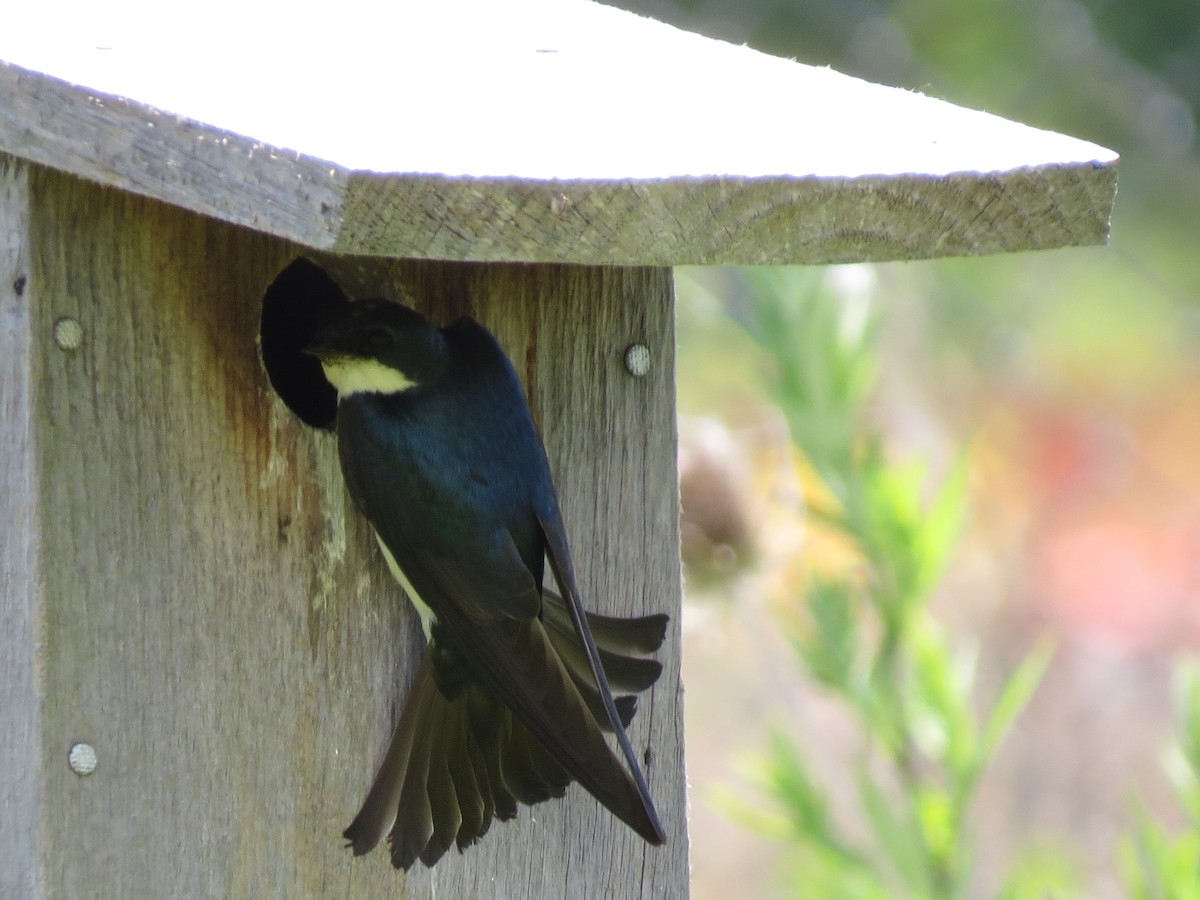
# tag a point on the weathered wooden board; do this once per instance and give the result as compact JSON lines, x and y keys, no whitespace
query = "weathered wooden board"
{"x":21,"y":586}
{"x":543,"y":130}
{"x":204,"y":607}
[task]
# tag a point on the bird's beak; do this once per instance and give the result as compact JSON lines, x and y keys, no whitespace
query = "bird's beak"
{"x":325,"y":343}
{"x":326,"y":340}
{"x":319,"y":349}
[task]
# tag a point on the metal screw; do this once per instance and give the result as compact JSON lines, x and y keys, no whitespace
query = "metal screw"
{"x":68,"y":333}
{"x":82,"y":758}
{"x":637,"y":359}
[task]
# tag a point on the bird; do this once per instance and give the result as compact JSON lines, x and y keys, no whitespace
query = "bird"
{"x":514,"y":693}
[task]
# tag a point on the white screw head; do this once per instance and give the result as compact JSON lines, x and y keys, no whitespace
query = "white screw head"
{"x":68,"y":333}
{"x":637,"y":359}
{"x":82,"y":758}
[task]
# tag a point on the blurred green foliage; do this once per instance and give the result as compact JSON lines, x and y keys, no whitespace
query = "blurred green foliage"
{"x":868,"y":637}
{"x":1156,"y":864}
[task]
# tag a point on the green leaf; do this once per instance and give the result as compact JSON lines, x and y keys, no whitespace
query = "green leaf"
{"x":939,"y":824}
{"x":800,"y":810}
{"x":1014,"y":697}
{"x":888,"y":527}
{"x":946,"y":730}
{"x":766,"y":819}
{"x":941,"y":525}
{"x":830,"y":651}
{"x":1158,"y":867}
{"x":898,"y":837}
{"x":791,"y":786}
{"x":814,"y":875}
{"x":1187,"y":691}
{"x":1039,"y":874}
{"x":820,"y":369}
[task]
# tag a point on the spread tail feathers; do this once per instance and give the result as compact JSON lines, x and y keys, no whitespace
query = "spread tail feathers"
{"x":456,"y":763}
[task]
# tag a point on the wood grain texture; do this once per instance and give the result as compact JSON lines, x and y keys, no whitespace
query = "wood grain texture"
{"x":559,"y":131}
{"x":217,"y":621}
{"x":21,"y":587}
{"x":145,"y":151}
{"x":729,"y":219}
{"x":611,"y":442}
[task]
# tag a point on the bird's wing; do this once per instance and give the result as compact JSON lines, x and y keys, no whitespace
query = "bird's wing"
{"x":564,"y":572}
{"x":514,"y":662}
{"x":486,"y":586}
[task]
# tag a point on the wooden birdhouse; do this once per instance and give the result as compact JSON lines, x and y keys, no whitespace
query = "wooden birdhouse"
{"x":202,"y":654}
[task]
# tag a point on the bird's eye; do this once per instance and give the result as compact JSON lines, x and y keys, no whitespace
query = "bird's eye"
{"x":378,"y":339}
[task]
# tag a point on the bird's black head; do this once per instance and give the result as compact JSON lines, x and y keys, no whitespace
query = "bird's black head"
{"x":378,"y":347}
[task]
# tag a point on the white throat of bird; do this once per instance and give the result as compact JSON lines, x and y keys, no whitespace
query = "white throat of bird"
{"x":351,"y":375}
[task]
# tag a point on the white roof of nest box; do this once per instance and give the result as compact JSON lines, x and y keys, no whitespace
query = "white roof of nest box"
{"x":541,"y":130}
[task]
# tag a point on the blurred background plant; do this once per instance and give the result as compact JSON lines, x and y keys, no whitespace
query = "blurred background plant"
{"x":1156,"y":864}
{"x":1075,"y":377}
{"x":866,"y":635}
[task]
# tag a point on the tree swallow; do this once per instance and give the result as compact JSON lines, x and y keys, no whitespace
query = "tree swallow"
{"x":512,"y":696}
